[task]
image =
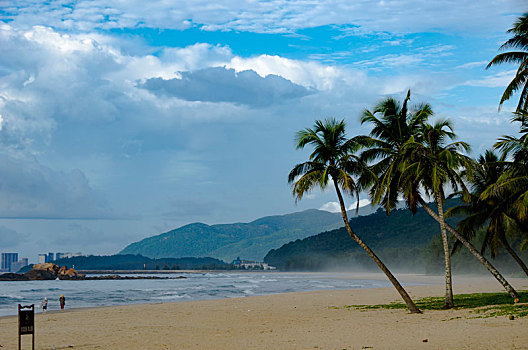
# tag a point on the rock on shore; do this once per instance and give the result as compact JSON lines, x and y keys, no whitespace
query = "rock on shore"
{"x":50,"y":271}
{"x":47,"y":271}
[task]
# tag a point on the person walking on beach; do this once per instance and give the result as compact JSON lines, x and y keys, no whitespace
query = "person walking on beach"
{"x":62,"y":301}
{"x":44,"y":304}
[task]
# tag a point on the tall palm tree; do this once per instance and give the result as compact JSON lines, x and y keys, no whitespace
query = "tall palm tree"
{"x":333,"y":160}
{"x":434,"y":165}
{"x":493,"y":213}
{"x":385,"y":144}
{"x":429,"y":168}
{"x":392,"y":126}
{"x":390,"y":133}
{"x":518,"y":41}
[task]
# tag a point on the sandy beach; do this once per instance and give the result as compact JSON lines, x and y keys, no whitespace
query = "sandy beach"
{"x":308,"y":320}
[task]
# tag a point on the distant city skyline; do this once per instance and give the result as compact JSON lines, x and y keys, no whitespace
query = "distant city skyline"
{"x":119,"y":121}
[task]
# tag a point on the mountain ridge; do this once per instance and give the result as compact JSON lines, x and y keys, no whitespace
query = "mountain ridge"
{"x":250,"y":240}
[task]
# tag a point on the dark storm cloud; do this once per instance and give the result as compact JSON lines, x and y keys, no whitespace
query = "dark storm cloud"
{"x":218,"y":84}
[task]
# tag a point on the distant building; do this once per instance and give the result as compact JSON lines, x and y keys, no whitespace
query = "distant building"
{"x":42,"y":258}
{"x":46,"y":258}
{"x":251,"y":265}
{"x":63,"y":255}
{"x":7,"y":259}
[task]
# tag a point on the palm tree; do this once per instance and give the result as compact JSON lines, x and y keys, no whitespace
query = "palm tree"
{"x":386,"y":145}
{"x":495,"y":212}
{"x":333,"y":160}
{"x":390,"y":131}
{"x":431,"y":164}
{"x":434,"y":165}
{"x":518,"y":41}
{"x":515,"y":179}
{"x":513,"y":182}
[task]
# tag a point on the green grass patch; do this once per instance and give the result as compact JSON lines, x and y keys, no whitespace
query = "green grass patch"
{"x":484,"y":304}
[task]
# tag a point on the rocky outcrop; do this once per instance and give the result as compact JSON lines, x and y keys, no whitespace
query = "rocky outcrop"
{"x":47,"y":271}
{"x":13,"y":277}
{"x":65,"y":273}
{"x":51,"y":271}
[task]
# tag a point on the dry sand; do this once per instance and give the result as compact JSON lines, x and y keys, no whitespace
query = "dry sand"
{"x":309,"y":320}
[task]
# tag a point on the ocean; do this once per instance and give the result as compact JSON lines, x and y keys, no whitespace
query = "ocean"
{"x":196,"y":286}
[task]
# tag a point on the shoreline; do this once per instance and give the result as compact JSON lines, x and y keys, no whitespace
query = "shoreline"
{"x":298,"y":320}
{"x":406,"y":279}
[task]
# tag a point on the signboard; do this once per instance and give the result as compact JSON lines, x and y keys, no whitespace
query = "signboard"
{"x":26,"y":323}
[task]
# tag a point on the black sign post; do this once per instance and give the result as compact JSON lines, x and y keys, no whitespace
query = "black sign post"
{"x":26,"y":323}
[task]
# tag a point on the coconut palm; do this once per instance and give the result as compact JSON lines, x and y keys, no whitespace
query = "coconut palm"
{"x":432,"y":164}
{"x":514,"y":181}
{"x":518,"y":41}
{"x":333,"y":160}
{"x":390,"y":133}
{"x":392,"y":126}
{"x":494,"y":214}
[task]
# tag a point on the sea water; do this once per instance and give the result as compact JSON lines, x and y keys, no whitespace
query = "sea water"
{"x":196,"y":286}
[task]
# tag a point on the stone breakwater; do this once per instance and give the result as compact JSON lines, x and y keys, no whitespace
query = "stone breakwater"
{"x":50,"y":271}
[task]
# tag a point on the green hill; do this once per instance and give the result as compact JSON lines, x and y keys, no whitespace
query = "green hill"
{"x":227,"y":241}
{"x":398,"y":239}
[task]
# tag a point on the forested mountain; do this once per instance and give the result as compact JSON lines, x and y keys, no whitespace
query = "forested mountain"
{"x":397,"y":238}
{"x":227,"y":241}
{"x":403,"y":241}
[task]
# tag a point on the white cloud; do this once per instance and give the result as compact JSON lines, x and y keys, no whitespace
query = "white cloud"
{"x":309,"y":74}
{"x":334,"y":207}
{"x":481,"y":64}
{"x":500,"y":79}
{"x":268,"y":16}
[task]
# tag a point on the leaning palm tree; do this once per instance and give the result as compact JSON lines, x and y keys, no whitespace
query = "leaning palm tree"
{"x":434,"y":165}
{"x":333,"y":160}
{"x":390,"y":133}
{"x":430,"y":168}
{"x":493,"y":214}
{"x":518,"y":41}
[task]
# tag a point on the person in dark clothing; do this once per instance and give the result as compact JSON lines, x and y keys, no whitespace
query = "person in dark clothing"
{"x":62,"y":301}
{"x":44,"y":305}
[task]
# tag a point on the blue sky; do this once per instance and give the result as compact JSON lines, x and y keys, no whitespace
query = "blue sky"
{"x":124,"y":120}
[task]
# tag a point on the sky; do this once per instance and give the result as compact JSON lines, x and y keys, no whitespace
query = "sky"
{"x":121,"y":120}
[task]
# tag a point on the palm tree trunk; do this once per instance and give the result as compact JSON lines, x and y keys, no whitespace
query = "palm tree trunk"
{"x":408,"y":301}
{"x":448,"y":303}
{"x":473,"y":251}
{"x":512,"y":252}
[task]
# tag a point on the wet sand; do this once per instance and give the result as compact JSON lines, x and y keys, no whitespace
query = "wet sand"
{"x":307,"y":320}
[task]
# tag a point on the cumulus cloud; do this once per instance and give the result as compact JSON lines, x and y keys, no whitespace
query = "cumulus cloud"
{"x":219,"y":84}
{"x":334,"y":207}
{"x":267,"y":16}
{"x":31,"y":190}
{"x":309,"y":74}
